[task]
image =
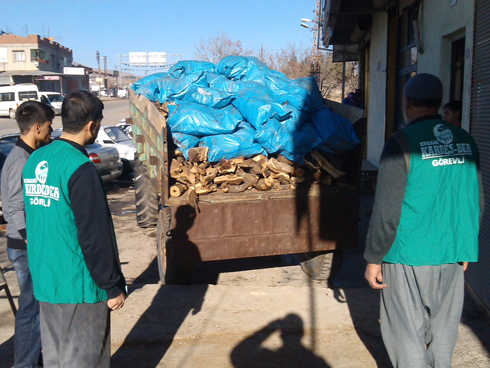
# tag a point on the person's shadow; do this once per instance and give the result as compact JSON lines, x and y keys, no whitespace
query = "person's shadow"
{"x":292,"y":353}
{"x":149,"y":340}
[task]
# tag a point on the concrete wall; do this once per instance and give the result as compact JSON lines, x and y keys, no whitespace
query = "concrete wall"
{"x":441,"y":25}
{"x":377,"y":87}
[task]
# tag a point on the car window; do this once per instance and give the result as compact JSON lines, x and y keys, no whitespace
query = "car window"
{"x":116,"y":134}
{"x":27,"y":95}
{"x":55,"y":98}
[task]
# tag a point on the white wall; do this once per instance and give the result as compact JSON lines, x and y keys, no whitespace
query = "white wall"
{"x":441,"y":25}
{"x":377,"y":87}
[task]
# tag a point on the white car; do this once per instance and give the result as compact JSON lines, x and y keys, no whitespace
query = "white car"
{"x":55,"y":99}
{"x":113,"y":136}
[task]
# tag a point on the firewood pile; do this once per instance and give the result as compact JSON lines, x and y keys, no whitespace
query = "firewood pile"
{"x":241,"y":174}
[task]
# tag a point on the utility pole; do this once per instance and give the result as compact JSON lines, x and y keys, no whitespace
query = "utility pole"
{"x":105,"y":72}
{"x":97,"y":55}
{"x":120,"y":71}
{"x":315,"y":52}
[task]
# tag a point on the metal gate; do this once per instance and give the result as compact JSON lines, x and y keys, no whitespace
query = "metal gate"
{"x":478,"y":275}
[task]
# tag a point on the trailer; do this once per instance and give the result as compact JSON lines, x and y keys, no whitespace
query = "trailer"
{"x":315,"y":222}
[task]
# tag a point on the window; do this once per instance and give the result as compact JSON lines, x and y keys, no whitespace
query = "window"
{"x":34,"y":55}
{"x":28,"y":95}
{"x":9,"y":96}
{"x":116,"y":134}
{"x":19,"y":55}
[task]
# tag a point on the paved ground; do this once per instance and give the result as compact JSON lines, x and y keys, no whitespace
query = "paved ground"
{"x":251,"y":313}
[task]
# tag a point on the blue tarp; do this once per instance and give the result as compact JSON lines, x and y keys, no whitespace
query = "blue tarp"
{"x":241,"y":107}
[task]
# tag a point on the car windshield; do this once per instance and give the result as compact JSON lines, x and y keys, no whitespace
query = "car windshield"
{"x":55,"y":98}
{"x":116,"y":134}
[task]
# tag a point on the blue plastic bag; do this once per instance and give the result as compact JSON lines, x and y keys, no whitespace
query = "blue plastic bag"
{"x":186,"y":67}
{"x":336,"y":132}
{"x":136,"y":85}
{"x":244,"y":68}
{"x":228,"y":146}
{"x":185,"y":142}
{"x":295,"y":92}
{"x":198,"y":120}
{"x":176,"y":88}
{"x":221,"y":83}
{"x":258,"y":105}
{"x":209,"y":97}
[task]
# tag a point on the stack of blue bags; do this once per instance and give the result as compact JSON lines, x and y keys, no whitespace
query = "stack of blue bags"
{"x":240,"y":107}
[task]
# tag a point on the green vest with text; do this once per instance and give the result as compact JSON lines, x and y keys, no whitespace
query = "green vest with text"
{"x":440,"y":213}
{"x":56,"y":262}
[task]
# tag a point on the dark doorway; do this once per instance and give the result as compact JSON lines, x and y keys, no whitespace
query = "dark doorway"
{"x":457,"y":69}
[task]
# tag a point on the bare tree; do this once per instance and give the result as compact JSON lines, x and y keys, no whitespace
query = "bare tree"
{"x":216,"y":47}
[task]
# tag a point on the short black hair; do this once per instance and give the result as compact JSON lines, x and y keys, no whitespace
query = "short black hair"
{"x":78,"y":109}
{"x":419,"y":102}
{"x":30,"y":113}
{"x":455,"y":106}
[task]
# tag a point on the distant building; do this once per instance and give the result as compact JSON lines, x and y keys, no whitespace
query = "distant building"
{"x":39,"y":60}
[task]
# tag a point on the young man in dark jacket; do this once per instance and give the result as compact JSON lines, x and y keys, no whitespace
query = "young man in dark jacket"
{"x":34,"y":121}
{"x":73,"y":253}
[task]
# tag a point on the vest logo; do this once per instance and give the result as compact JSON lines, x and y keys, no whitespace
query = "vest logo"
{"x":42,"y":172}
{"x":443,"y":134}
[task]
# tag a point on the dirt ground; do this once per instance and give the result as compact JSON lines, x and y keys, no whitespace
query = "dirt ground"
{"x":247,"y":313}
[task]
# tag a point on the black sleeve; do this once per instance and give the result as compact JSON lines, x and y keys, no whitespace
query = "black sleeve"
{"x":95,"y":230}
{"x":390,"y":192}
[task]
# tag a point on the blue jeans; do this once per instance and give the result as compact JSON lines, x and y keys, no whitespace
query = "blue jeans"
{"x":27,"y":339}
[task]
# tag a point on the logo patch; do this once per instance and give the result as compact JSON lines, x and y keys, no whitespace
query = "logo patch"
{"x":42,"y":172}
{"x":443,"y":134}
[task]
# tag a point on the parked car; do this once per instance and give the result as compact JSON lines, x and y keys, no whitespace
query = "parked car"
{"x":5,"y":147}
{"x":55,"y":99}
{"x":113,"y":136}
{"x":126,"y":128}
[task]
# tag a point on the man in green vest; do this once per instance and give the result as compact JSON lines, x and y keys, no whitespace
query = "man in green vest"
{"x":424,"y":230}
{"x":72,"y":249}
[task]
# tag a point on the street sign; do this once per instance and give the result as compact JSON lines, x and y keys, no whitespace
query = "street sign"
{"x":157,"y":58}
{"x":138,"y":58}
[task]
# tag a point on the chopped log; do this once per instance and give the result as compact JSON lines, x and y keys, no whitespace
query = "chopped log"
{"x":225,"y":187}
{"x":327,"y":180}
{"x":187,"y":175}
{"x":177,"y":190}
{"x":269,"y":181}
{"x":226,"y":167}
{"x":180,"y":159}
{"x":279,"y":167}
{"x":295,"y":180}
{"x":178,"y":153}
{"x":239,"y":188}
{"x":204,"y":165}
{"x":262,"y":185}
{"x":276,"y":184}
{"x":211,"y":173}
{"x":284,"y":160}
{"x":282,"y":177}
{"x":317,"y":175}
{"x":198,"y":154}
{"x":310,"y":165}
{"x":284,"y":187}
{"x":201,"y":190}
{"x":327,"y":166}
{"x":266,"y":172}
{"x":299,"y":172}
{"x":175,"y":168}
{"x":198,"y":170}
{"x":229,"y":179}
{"x":238,"y":160}
{"x":250,"y":178}
{"x":260,"y":159}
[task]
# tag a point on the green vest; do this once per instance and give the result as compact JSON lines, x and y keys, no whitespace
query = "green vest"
{"x":56,"y":262}
{"x":440,"y":213}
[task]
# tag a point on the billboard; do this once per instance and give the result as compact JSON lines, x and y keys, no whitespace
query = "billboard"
{"x":138,"y":58}
{"x":157,"y":58}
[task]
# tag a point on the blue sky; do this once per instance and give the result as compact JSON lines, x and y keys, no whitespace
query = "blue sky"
{"x":119,"y":27}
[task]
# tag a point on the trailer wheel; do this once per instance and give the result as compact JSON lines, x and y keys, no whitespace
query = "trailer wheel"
{"x":12,"y":114}
{"x":169,"y":271}
{"x":321,"y":265}
{"x":146,"y":197}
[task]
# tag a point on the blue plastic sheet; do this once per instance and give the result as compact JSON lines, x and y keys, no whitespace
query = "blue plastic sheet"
{"x":136,"y":85}
{"x":175,"y":88}
{"x":275,"y":137}
{"x":228,"y":146}
{"x":243,"y":68}
{"x":336,"y":132}
{"x":208,"y":97}
{"x":186,"y":67}
{"x":258,"y":105}
{"x":298,"y":93}
{"x":198,"y":120}
{"x":185,"y":142}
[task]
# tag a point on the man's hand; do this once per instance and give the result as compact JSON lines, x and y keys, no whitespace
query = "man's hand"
{"x":116,"y":303}
{"x":374,"y":276}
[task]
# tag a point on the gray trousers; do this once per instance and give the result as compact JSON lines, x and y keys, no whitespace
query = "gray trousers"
{"x":76,"y":335}
{"x":420,"y":312}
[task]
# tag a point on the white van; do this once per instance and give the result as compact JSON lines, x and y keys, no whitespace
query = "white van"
{"x":55,"y":100}
{"x":12,"y":96}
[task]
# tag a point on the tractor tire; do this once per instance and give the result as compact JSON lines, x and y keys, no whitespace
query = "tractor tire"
{"x":321,"y":265}
{"x":169,"y":271}
{"x":146,"y":197}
